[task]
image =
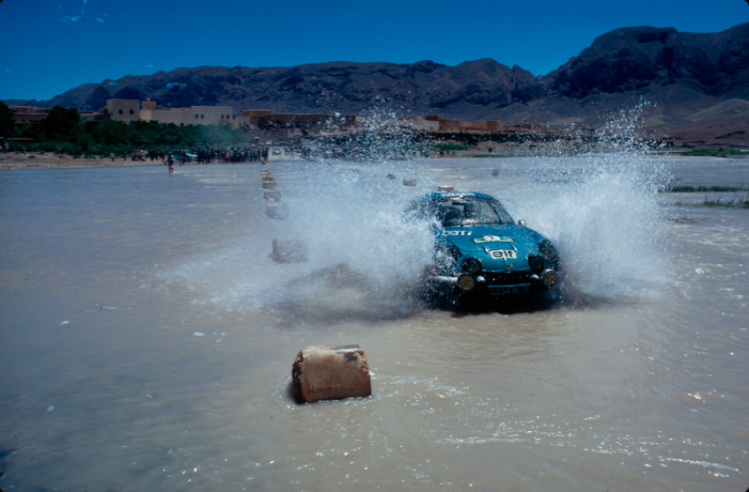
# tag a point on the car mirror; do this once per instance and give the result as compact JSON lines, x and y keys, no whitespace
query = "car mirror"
{"x":521,"y":222}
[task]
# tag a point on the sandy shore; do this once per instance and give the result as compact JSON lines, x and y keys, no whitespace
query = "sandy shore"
{"x":20,"y":160}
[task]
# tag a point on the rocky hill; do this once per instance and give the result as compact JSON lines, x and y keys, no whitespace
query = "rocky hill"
{"x":688,"y":79}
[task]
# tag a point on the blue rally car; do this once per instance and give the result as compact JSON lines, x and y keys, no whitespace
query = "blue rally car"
{"x":481,"y":251}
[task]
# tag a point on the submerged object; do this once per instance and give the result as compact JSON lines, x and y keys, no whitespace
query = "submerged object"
{"x":276,"y":211}
{"x":273,"y":195}
{"x":330,"y":373}
{"x":289,"y":251}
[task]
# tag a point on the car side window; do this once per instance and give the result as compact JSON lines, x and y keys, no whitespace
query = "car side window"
{"x":504,"y":215}
{"x":449,"y":216}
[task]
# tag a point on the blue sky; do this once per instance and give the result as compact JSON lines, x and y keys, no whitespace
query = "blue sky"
{"x":55,"y":45}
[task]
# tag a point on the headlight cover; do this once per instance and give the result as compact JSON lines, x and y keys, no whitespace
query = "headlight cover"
{"x":472,"y":265}
{"x":536,"y":263}
{"x":548,"y":251}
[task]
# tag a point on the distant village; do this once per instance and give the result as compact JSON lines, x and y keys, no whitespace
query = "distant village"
{"x":281,"y":124}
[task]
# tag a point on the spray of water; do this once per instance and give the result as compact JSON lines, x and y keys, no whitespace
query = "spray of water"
{"x":360,"y":248}
{"x":365,"y":262}
{"x":602,"y":209}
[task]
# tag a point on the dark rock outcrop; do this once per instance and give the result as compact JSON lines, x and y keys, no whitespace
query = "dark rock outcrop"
{"x":634,"y":58}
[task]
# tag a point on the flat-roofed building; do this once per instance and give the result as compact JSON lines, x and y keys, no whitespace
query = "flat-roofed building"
{"x":28,"y":114}
{"x":126,"y":110}
{"x":209,"y":115}
{"x":193,"y":115}
{"x":263,"y":119}
{"x":257,"y":112}
{"x":425,"y":125}
{"x":487,"y":126}
{"x":449,"y":125}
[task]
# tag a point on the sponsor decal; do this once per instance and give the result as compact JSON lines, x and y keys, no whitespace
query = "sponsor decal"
{"x":493,"y":239}
{"x":503,"y":254}
{"x":457,"y":233}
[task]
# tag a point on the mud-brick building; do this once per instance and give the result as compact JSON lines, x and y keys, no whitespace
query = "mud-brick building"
{"x":484,"y":126}
{"x":264,"y":119}
{"x":129,"y":110}
{"x":444,"y":124}
{"x":193,"y":115}
{"x":30,"y":114}
{"x":126,"y":110}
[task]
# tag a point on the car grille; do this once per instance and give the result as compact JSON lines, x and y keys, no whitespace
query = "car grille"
{"x":509,"y":278}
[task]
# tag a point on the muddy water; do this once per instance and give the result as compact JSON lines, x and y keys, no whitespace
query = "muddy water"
{"x":147,"y":337}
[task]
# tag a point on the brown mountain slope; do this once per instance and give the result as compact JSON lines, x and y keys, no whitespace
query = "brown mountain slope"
{"x":681,"y":75}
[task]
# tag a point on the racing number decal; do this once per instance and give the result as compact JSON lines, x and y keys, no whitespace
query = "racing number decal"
{"x":493,"y":239}
{"x":503,"y":253}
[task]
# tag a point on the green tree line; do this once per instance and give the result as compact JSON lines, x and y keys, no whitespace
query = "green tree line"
{"x":63,"y":131}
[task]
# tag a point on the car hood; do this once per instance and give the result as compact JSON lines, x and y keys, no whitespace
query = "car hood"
{"x":478,"y":240}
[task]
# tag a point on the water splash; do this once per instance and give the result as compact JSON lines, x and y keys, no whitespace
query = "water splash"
{"x":602,"y":209}
{"x":365,"y":262}
{"x":360,"y":248}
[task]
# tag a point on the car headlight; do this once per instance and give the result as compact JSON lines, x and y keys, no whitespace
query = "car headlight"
{"x":550,"y":277}
{"x":466,"y":282}
{"x":548,"y":251}
{"x":536,"y":263}
{"x":472,"y":265}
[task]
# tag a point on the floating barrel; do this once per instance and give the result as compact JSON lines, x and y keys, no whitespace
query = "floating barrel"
{"x":330,"y":373}
{"x":445,"y":188}
{"x":289,"y":251}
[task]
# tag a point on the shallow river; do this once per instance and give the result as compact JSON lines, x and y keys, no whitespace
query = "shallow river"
{"x":147,"y":337}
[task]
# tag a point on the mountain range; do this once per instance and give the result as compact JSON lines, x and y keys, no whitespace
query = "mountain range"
{"x":695,"y":85}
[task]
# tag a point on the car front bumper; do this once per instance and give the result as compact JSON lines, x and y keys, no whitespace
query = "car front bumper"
{"x":499,"y":283}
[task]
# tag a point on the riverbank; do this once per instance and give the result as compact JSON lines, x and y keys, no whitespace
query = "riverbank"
{"x":28,"y":160}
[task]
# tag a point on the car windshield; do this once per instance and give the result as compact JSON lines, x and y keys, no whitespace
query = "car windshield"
{"x":462,"y":211}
